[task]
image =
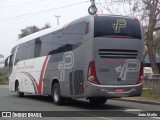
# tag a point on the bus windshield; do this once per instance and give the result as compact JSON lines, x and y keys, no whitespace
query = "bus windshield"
{"x":107,"y":26}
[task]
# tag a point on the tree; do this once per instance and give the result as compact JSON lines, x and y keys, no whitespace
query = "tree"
{"x":47,"y":25}
{"x":32,"y":29}
{"x":153,"y":13}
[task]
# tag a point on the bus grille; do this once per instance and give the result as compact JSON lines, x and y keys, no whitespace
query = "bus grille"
{"x":76,"y":82}
{"x":118,"y":53}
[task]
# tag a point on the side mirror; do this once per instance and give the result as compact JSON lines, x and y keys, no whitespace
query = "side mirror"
{"x":92,"y":10}
{"x":6,"y":61}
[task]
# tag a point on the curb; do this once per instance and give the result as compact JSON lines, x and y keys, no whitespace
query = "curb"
{"x":138,"y":101}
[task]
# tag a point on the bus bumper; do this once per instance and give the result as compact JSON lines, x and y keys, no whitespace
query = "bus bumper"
{"x":109,"y":91}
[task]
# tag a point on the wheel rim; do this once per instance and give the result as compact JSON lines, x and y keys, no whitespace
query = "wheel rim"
{"x":56,"y":94}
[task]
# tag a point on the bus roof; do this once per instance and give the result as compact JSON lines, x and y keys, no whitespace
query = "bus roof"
{"x":38,"y":34}
{"x":52,"y":29}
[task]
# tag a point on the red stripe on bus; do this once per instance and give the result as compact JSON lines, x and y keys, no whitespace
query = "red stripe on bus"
{"x":42,"y":75}
{"x":32,"y":78}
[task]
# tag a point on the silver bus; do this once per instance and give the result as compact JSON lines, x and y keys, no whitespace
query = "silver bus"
{"x":96,"y":57}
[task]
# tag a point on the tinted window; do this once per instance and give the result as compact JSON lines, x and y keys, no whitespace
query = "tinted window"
{"x":28,"y":49}
{"x":118,"y":26}
{"x":75,"y":34}
{"x":37,"y":49}
{"x":20,"y":53}
{"x":46,"y":44}
{"x":25,"y":51}
{"x":59,"y":42}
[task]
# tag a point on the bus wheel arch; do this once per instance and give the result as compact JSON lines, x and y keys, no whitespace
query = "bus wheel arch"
{"x":55,"y":93}
{"x":17,"y":89}
{"x":53,"y":82}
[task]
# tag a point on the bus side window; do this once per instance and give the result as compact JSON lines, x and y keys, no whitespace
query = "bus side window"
{"x":59,"y":42}
{"x":75,"y":34}
{"x":20,"y":53}
{"x":46,"y":44}
{"x":37,"y":49}
{"x":28,"y":48}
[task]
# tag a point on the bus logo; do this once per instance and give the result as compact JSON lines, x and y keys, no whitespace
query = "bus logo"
{"x":66,"y":63}
{"x":120,"y":23}
{"x":130,"y":65}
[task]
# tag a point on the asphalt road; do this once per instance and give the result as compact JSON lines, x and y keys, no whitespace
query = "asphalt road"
{"x":10,"y":102}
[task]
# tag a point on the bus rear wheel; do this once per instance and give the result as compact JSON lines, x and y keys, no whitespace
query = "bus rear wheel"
{"x":19,"y":93}
{"x":56,"y":95}
{"x":97,"y":100}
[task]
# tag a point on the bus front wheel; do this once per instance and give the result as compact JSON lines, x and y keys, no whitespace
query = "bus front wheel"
{"x":97,"y":100}
{"x":56,"y":95}
{"x":19,"y":93}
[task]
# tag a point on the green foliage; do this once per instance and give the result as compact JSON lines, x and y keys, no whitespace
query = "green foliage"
{"x":2,"y":72}
{"x":32,"y":29}
{"x":151,"y":89}
{"x":3,"y":76}
{"x":28,"y":30}
{"x":146,"y":93}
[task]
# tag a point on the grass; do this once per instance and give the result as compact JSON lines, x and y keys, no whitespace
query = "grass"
{"x":3,"y":78}
{"x":147,"y":92}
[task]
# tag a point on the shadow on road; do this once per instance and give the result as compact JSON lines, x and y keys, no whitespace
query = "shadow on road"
{"x":75,"y":103}
{"x":88,"y":106}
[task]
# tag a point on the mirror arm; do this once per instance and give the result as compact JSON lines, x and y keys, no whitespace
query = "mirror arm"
{"x":92,"y":2}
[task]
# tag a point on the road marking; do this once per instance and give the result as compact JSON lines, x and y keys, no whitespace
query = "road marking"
{"x":105,"y":118}
{"x":132,"y":110}
{"x":156,"y":118}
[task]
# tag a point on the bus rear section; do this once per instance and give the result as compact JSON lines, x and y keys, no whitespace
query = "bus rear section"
{"x":116,"y":69}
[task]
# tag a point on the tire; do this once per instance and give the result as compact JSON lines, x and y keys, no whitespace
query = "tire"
{"x":19,"y":93}
{"x":97,"y":100}
{"x":56,"y":95}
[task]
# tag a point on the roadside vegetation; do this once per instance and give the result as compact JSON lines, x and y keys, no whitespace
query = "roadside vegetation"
{"x":3,"y":76}
{"x":146,"y":93}
{"x":151,"y":89}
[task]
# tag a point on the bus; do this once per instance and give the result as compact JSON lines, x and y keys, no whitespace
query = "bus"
{"x":96,"y":57}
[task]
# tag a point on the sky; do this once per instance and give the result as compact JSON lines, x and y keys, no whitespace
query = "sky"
{"x":18,"y":14}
